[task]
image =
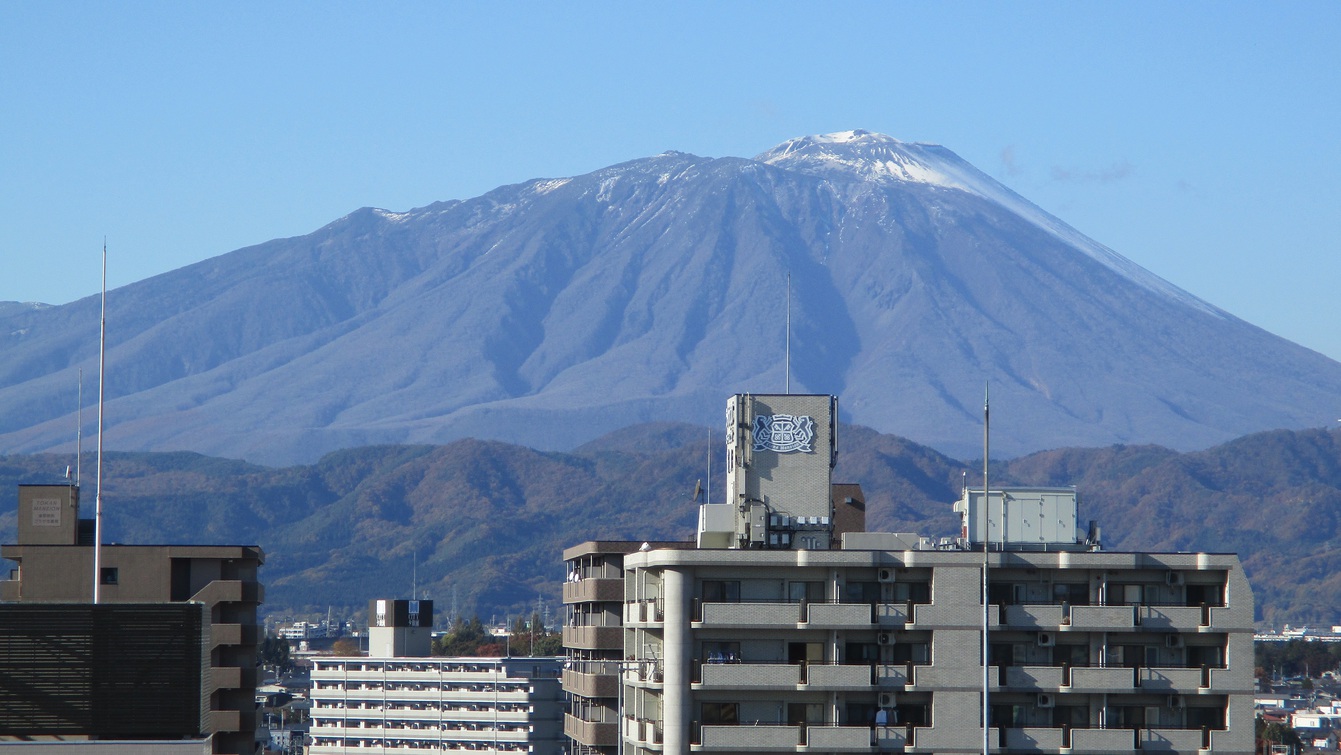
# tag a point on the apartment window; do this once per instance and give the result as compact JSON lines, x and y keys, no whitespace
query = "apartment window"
{"x":862,"y":592}
{"x":721,"y":652}
{"x":109,"y":575}
{"x":1076,"y":594}
{"x":918,"y":653}
{"x":721,"y":591}
{"x":721,"y":713}
{"x":911,"y":592}
{"x":809,"y":591}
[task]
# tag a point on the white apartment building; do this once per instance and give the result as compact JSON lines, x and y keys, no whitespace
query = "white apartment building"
{"x":407,"y":702}
{"x":873,"y":642}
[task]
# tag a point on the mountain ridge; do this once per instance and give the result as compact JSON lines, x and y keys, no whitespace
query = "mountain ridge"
{"x":549,"y":312}
{"x":486,"y":521}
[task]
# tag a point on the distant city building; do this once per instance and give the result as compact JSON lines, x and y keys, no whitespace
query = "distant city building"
{"x":210,"y":593}
{"x":400,"y":699}
{"x":785,"y":628}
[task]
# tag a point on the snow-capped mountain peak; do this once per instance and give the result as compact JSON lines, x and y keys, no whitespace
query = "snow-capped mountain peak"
{"x":863,"y":155}
{"x":883,"y":160}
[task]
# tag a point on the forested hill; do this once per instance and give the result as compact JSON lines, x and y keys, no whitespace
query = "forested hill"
{"x":485,"y":522}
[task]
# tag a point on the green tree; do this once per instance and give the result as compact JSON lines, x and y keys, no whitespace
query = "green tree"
{"x":275,"y":652}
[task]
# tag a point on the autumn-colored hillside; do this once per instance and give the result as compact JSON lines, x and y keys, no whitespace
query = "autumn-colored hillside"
{"x":482,"y":524}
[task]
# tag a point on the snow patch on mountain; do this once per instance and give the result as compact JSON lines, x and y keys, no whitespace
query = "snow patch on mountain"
{"x":545,"y":186}
{"x":884,"y":160}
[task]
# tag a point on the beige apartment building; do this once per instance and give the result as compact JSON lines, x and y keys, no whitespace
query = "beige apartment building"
{"x":784,"y":627}
{"x":54,"y":557}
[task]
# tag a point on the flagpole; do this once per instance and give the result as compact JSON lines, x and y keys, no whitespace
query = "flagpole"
{"x":102,"y":381}
{"x":986,"y":550}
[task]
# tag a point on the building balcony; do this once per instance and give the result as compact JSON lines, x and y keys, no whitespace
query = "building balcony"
{"x":232,"y":677}
{"x":1228,"y":619}
{"x":225,"y":720}
{"x":644,"y":612}
{"x":1033,"y":678}
{"x":835,"y":678}
{"x":233,"y":634}
{"x":935,"y":739}
{"x":229,"y":591}
{"x":1171,"y":740}
{"x":749,"y":615}
{"x":839,"y":615}
{"x":643,"y":732}
{"x":591,"y":733}
{"x":838,"y":738}
{"x":891,"y":737}
{"x":594,"y":638}
{"x":1033,"y":739}
{"x":1096,"y":679}
{"x":1103,"y":618}
{"x":943,"y":677}
{"x":1228,"y":681}
{"x":745,"y":738}
{"x":590,"y":685}
{"x":1187,"y":680}
{"x":889,"y":676}
{"x":1034,"y":617}
{"x":893,"y":614}
{"x":1172,"y":618}
{"x":1103,"y":742}
{"x":757,"y":676}
{"x":594,"y":591}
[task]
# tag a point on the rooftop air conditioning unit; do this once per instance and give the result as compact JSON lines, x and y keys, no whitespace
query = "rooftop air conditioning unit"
{"x":887,"y":700}
{"x":1046,"y":700}
{"x":1173,"y":641}
{"x":1173,"y":578}
{"x":885,"y":574}
{"x":1046,"y":640}
{"x":885,"y":638}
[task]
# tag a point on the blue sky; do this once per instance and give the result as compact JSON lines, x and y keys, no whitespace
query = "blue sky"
{"x":1201,"y":140}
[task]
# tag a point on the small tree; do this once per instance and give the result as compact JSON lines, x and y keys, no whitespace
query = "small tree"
{"x":345,"y":646}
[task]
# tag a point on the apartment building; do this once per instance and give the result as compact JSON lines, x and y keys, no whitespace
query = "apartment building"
{"x":54,"y":557}
{"x":399,"y":699}
{"x":783,"y":629}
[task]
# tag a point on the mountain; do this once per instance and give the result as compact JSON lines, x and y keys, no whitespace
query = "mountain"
{"x":551,"y":312}
{"x":482,"y":524}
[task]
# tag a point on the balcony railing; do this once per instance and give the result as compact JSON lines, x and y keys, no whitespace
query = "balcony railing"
{"x":594,"y":638}
{"x":594,"y":733}
{"x":593,"y":590}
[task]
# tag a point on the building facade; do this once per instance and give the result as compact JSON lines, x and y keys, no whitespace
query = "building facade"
{"x":400,"y":700}
{"x":54,"y":558}
{"x":781,"y":633}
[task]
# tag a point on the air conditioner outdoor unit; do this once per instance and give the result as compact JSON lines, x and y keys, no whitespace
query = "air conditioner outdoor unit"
{"x":1046,"y":640}
{"x":887,"y":700}
{"x":885,"y":574}
{"x":885,"y":638}
{"x":1173,"y":641}
{"x":1045,"y":700}
{"x":1173,"y":578}
{"x":1175,"y":701}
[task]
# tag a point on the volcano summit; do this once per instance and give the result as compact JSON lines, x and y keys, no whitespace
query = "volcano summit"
{"x":550,"y":312}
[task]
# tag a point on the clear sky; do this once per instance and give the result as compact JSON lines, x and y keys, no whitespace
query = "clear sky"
{"x":1200,"y":139}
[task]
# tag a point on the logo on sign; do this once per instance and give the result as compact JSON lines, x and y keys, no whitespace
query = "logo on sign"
{"x":783,"y":433}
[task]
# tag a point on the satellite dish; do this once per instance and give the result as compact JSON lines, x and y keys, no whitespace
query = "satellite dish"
{"x":645,"y":547}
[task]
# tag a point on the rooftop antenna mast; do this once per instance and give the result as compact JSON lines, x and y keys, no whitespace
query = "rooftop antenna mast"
{"x":102,"y":382}
{"x":787,"y":374}
{"x":79,"y":428}
{"x":986,"y":551}
{"x":708,"y":497}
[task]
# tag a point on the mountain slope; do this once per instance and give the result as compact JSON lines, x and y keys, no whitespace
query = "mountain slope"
{"x":483,"y":524}
{"x":550,"y":312}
